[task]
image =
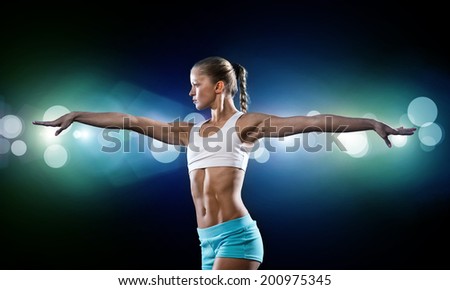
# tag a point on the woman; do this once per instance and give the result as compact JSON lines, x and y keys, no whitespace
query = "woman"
{"x":218,"y":151}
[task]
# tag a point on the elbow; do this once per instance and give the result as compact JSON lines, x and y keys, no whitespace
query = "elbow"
{"x":313,"y":124}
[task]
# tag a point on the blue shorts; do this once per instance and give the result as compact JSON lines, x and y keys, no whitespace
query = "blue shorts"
{"x":237,"y":238}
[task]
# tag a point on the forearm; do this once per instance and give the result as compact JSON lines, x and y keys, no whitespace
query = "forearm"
{"x":104,"y":120}
{"x":335,"y":123}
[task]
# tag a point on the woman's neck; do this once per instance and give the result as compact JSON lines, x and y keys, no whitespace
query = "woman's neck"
{"x":223,"y":110}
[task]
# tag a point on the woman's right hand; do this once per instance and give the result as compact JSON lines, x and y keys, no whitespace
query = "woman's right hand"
{"x":63,"y":122}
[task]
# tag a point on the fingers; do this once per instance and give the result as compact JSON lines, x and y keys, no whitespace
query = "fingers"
{"x":408,"y":131}
{"x":56,"y":123}
{"x":59,"y":131}
{"x":388,"y":143}
{"x":52,"y":124}
{"x":44,"y":123}
{"x":49,"y":123}
{"x":405,"y":131}
{"x":402,"y":131}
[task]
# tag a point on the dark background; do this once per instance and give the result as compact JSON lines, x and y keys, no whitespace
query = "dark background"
{"x":385,"y":211}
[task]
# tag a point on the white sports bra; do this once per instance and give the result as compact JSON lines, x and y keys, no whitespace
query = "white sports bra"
{"x":223,"y":148}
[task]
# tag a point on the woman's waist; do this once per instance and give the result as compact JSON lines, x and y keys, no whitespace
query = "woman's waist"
{"x":226,"y":227}
{"x":215,"y":213}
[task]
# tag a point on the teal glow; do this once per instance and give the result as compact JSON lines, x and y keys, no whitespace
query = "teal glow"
{"x":4,"y":145}
{"x":422,"y":110}
{"x":55,"y":156}
{"x":430,"y":134}
{"x":18,"y":148}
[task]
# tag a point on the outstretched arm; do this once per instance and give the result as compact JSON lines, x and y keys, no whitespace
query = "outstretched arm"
{"x":176,"y":133}
{"x":258,"y":125}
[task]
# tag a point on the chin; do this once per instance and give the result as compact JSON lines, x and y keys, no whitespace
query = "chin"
{"x":198,"y":107}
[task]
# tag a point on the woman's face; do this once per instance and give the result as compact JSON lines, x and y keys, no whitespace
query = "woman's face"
{"x":202,"y":90}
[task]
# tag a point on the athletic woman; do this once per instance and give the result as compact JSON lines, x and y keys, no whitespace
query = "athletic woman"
{"x":218,"y":152}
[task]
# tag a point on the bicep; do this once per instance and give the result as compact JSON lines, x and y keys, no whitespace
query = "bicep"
{"x":176,"y":133}
{"x":265,"y":125}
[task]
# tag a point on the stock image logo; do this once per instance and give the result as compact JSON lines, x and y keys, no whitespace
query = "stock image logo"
{"x":310,"y":139}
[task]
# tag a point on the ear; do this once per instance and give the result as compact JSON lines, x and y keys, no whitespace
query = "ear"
{"x":220,"y":87}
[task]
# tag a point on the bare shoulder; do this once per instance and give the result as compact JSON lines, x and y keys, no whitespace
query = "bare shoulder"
{"x":181,"y":126}
{"x":181,"y":131}
{"x":251,"y":119}
{"x":249,"y":126}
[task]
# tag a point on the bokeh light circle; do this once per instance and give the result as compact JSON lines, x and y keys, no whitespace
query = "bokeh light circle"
{"x":311,"y":141}
{"x":18,"y":148}
{"x":355,"y":143}
{"x":54,"y":113}
{"x":422,"y":110}
{"x":262,"y":155}
{"x":11,"y":126}
{"x":398,"y":140}
{"x":287,"y":143}
{"x":405,"y":121}
{"x":55,"y":156}
{"x":163,"y":152}
{"x":427,"y":148}
{"x":370,"y":116}
{"x":4,"y":146}
{"x":82,"y":134}
{"x":430,"y":134}
{"x":194,"y":118}
{"x":253,"y":148}
{"x":77,"y":134}
{"x":313,"y":113}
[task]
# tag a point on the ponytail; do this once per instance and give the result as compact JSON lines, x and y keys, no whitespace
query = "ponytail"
{"x":241,"y":75}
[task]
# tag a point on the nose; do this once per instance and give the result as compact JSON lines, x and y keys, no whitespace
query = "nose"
{"x":192,"y":92}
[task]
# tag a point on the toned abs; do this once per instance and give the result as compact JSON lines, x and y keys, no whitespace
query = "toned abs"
{"x":216,"y":192}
